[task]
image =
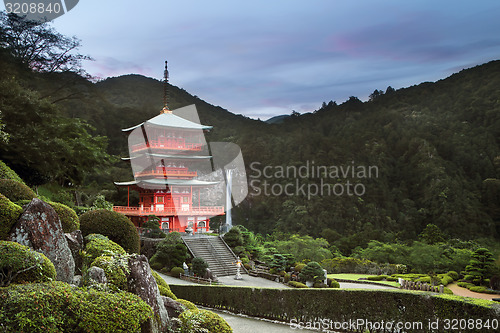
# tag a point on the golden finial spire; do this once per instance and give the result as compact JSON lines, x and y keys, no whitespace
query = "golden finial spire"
{"x":165,"y":91}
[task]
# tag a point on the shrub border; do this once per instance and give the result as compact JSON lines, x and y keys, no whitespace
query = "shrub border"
{"x":339,"y":305}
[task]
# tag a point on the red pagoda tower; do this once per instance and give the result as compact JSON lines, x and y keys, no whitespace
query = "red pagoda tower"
{"x":166,"y":153}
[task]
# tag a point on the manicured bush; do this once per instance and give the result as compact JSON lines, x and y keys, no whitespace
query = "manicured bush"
{"x":445,"y":279}
{"x":68,"y":217}
{"x":424,"y":279}
{"x":199,"y":266}
{"x":447,"y":291}
{"x":298,"y":267}
{"x":20,"y":264}
{"x":163,"y":286}
{"x":296,"y":284}
{"x":478,"y":289}
{"x":156,"y":265}
{"x":453,"y":275}
{"x":171,"y":251}
{"x":115,"y":226}
{"x":8,"y":173}
{"x":312,"y":272}
{"x":233,"y":237}
{"x":187,"y":304}
{"x":176,"y":271}
{"x":116,"y":269}
{"x":9,"y":214}
{"x":192,"y":321}
{"x":376,"y":277}
{"x":99,"y":245}
{"x":334,"y":284}
{"x":16,"y":191}
{"x":465,"y":284}
{"x":57,"y":307}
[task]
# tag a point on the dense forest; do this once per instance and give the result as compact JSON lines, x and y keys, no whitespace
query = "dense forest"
{"x":436,"y":147}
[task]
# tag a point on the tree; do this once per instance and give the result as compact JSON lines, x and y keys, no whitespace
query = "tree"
{"x":233,"y":237}
{"x":312,"y":272}
{"x":432,"y":234}
{"x":479,"y":266}
{"x":39,"y":46}
{"x":151,"y":228}
{"x":199,"y":266}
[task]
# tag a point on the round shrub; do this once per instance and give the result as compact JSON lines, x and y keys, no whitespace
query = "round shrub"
{"x":187,"y":304}
{"x":8,"y":173}
{"x":334,"y":284}
{"x":296,"y":284}
{"x":446,"y":279}
{"x":163,"y":286}
{"x":116,"y":274}
{"x":199,"y":266}
{"x":312,"y":272}
{"x":98,"y":245}
{"x":376,"y":277}
{"x":57,"y":307}
{"x":447,"y":291}
{"x":68,"y":217}
{"x":176,"y":271}
{"x":299,"y":267}
{"x":16,"y":191}
{"x":115,"y":226}
{"x":15,"y":258}
{"x":192,"y":321}
{"x":9,"y":214}
{"x":453,"y":275}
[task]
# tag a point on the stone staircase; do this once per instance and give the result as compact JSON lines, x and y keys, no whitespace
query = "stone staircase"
{"x":220,"y":258}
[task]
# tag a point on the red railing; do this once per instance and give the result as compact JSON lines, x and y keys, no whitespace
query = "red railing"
{"x":137,"y":211}
{"x":175,"y":145}
{"x":167,"y":173}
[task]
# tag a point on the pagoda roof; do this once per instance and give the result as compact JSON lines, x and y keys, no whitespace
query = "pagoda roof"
{"x":152,"y":183}
{"x":168,"y":119}
{"x":175,"y":156}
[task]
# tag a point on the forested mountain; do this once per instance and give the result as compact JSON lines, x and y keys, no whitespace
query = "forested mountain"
{"x":436,"y":147}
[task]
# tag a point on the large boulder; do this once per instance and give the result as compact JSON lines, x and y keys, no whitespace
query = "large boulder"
{"x":39,"y":228}
{"x":75,"y":243}
{"x":97,"y":275}
{"x":142,"y":283}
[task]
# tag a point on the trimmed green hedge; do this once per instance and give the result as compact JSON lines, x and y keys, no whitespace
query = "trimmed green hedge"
{"x":338,"y":305}
{"x":68,"y":217}
{"x":57,"y":307}
{"x":15,"y":258}
{"x":8,"y":173}
{"x":9,"y":214}
{"x":15,"y":190}
{"x":115,"y":226}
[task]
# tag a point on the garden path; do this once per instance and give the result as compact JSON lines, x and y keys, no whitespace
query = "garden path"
{"x":466,"y":292}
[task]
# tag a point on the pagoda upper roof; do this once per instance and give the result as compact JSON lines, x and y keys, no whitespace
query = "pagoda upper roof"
{"x":155,"y":182}
{"x":168,"y":119}
{"x":173,"y":157}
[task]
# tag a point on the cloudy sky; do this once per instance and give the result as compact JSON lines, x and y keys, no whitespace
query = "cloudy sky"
{"x":265,"y":58}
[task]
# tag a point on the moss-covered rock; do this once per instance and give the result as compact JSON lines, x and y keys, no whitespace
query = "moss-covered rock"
{"x":9,"y":214}
{"x":20,"y":264}
{"x":8,"y":173}
{"x":115,"y":226}
{"x":97,"y":246}
{"x":193,"y":320}
{"x":69,"y":219}
{"x":116,"y":269}
{"x":15,"y":190}
{"x":57,"y":307}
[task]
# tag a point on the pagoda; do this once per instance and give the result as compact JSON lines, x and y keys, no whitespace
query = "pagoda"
{"x":167,"y":153}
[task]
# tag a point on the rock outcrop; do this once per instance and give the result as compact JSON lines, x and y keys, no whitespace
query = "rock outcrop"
{"x":75,"y":243}
{"x":39,"y":227}
{"x":97,"y":275}
{"x":142,"y":283}
{"x":173,"y":307}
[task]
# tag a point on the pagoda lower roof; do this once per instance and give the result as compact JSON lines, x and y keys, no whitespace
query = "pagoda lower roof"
{"x":175,"y":156}
{"x":151,"y":183}
{"x":170,"y":120}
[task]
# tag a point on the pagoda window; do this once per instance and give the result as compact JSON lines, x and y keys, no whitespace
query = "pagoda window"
{"x":164,"y":225}
{"x":159,"y":199}
{"x":185,"y":199}
{"x":201,"y":224}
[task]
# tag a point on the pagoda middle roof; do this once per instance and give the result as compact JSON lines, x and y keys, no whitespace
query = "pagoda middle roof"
{"x":175,"y":156}
{"x":170,"y":120}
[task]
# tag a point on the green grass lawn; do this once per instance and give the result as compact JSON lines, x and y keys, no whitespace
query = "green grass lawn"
{"x":356,"y":277}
